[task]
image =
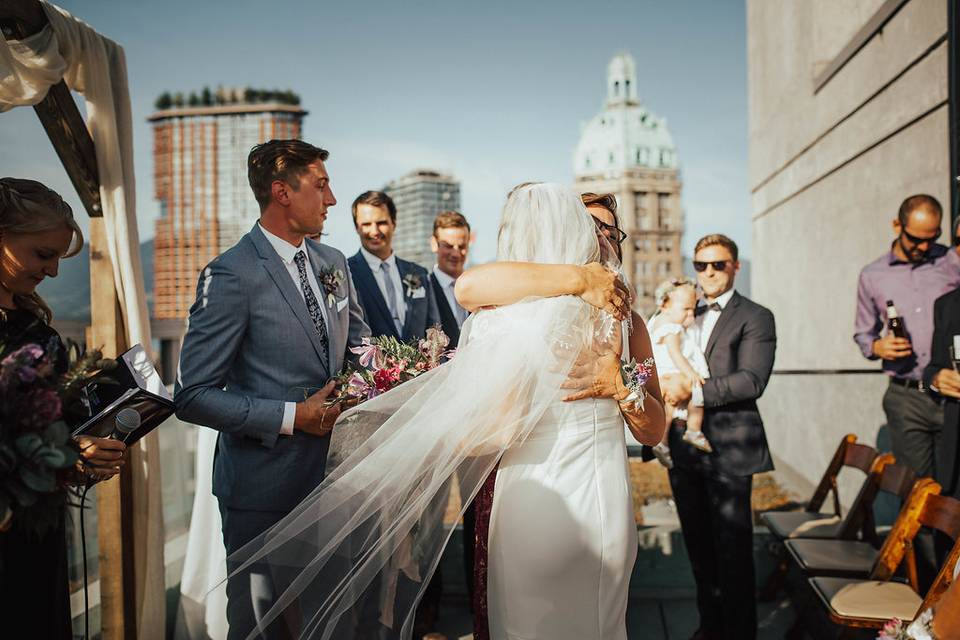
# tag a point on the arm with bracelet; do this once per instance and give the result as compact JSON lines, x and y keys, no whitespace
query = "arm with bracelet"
{"x":634,"y":385}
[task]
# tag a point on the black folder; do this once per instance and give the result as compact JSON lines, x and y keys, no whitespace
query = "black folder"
{"x":133,"y":383}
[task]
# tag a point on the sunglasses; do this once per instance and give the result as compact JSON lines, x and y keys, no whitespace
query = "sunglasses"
{"x":718,"y":265}
{"x":616,"y":234}
{"x":915,"y":240}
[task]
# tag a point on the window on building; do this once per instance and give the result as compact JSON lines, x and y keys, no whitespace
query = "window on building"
{"x":640,"y":210}
{"x":665,"y":213}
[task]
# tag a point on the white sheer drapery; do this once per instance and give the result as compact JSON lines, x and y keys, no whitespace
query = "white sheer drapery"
{"x":94,"y":66}
{"x":203,"y":612}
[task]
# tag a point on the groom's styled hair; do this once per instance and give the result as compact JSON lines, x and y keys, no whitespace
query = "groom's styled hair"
{"x":285,"y":160}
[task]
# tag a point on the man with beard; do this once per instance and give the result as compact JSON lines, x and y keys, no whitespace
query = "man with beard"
{"x":912,"y":275}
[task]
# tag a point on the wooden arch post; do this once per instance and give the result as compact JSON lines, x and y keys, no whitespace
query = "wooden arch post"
{"x":67,"y":131}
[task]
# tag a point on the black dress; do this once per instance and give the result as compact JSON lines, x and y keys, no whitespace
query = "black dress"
{"x":34,"y":579}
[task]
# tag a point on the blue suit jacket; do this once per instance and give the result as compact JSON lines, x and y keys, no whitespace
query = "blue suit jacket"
{"x":251,"y":346}
{"x":421,"y":312}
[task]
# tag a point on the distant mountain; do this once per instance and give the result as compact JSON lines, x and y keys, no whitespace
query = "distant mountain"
{"x":743,"y":278}
{"x":69,"y":293}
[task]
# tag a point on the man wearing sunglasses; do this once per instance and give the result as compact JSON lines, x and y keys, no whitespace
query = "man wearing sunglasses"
{"x":712,"y":490}
{"x":912,"y":274}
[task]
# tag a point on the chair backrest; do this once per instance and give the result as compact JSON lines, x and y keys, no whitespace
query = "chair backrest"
{"x":942,"y":513}
{"x":899,"y":543}
{"x":893,"y":478}
{"x":860,"y":518}
{"x":848,"y":454}
{"x":897,"y":479}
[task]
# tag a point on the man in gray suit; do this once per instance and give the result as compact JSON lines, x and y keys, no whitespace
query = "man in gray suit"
{"x":272,"y":323}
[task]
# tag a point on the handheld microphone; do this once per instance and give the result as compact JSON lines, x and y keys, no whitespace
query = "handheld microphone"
{"x":126,"y":422}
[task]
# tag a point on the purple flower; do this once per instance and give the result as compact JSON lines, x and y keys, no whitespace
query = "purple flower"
{"x":28,"y":353}
{"x":26,"y":374}
{"x":46,"y":406}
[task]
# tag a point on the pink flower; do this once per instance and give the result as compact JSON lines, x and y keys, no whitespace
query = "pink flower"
{"x":893,"y":630}
{"x":358,"y":387}
{"x":371,"y":355}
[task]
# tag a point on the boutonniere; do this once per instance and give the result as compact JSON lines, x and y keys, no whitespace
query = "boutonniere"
{"x":330,"y":279}
{"x":412,"y":282}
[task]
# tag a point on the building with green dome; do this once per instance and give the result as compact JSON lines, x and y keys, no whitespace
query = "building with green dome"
{"x":627,"y":150}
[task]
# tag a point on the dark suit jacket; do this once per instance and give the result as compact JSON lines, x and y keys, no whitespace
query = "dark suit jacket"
{"x":421,"y":312}
{"x":448,"y":321}
{"x":946,"y":324}
{"x":740,"y":355}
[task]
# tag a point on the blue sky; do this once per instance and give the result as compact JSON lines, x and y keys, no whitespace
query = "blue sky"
{"x":493,"y":92}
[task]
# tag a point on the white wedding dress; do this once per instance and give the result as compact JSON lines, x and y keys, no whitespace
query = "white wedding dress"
{"x":562,"y":535}
{"x":353,"y":559}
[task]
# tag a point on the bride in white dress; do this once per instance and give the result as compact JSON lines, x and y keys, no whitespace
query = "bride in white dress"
{"x":353,"y":559}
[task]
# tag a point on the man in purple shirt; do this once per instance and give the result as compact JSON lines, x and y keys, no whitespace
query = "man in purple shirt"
{"x":915,"y":272}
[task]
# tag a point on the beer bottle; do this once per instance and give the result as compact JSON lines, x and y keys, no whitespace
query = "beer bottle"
{"x":894,"y":321}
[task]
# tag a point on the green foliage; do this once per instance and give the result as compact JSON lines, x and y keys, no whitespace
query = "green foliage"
{"x":164,"y":101}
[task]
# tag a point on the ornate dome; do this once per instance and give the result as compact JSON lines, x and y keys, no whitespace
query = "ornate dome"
{"x":624,"y":134}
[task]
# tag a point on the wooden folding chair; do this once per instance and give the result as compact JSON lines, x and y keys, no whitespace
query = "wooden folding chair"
{"x":852,"y":558}
{"x":854,"y":603}
{"x":811,"y":523}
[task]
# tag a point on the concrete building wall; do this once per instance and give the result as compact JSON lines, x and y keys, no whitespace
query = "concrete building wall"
{"x":830,"y":163}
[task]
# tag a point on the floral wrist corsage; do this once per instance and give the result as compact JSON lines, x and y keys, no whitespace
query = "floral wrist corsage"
{"x":635,"y":376}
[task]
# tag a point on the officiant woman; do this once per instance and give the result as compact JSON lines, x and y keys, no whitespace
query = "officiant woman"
{"x":37,"y":229}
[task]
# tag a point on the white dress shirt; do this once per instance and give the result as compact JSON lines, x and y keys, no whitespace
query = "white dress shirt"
{"x":705,"y":324}
{"x":287,"y":252}
{"x":398,"y":285}
{"x":447,"y":283}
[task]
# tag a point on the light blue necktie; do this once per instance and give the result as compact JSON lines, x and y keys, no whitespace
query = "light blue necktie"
{"x":391,"y":296}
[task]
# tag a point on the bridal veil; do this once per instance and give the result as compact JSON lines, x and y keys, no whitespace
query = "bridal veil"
{"x":353,"y":559}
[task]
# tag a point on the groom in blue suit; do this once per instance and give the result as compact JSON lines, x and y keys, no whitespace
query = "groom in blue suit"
{"x":395,"y":294}
{"x":272,"y":322}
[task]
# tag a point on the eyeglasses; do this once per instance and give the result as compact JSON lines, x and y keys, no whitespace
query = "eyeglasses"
{"x":718,"y":265}
{"x":616,"y":234}
{"x":915,"y":240}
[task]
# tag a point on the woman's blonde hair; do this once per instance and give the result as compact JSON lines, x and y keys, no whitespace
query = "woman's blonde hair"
{"x":27,"y":206}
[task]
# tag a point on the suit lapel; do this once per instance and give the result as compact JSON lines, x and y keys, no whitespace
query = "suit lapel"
{"x":368,"y":284}
{"x":407,"y":316}
{"x":447,"y":318}
{"x":281,"y":277}
{"x":725,"y":318}
{"x":329,"y":312}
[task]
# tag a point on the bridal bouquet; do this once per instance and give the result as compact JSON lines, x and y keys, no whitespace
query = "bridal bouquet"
{"x":386,"y":362}
{"x":36,"y":450}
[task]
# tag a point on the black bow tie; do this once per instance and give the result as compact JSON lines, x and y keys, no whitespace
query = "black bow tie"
{"x":713,"y":306}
